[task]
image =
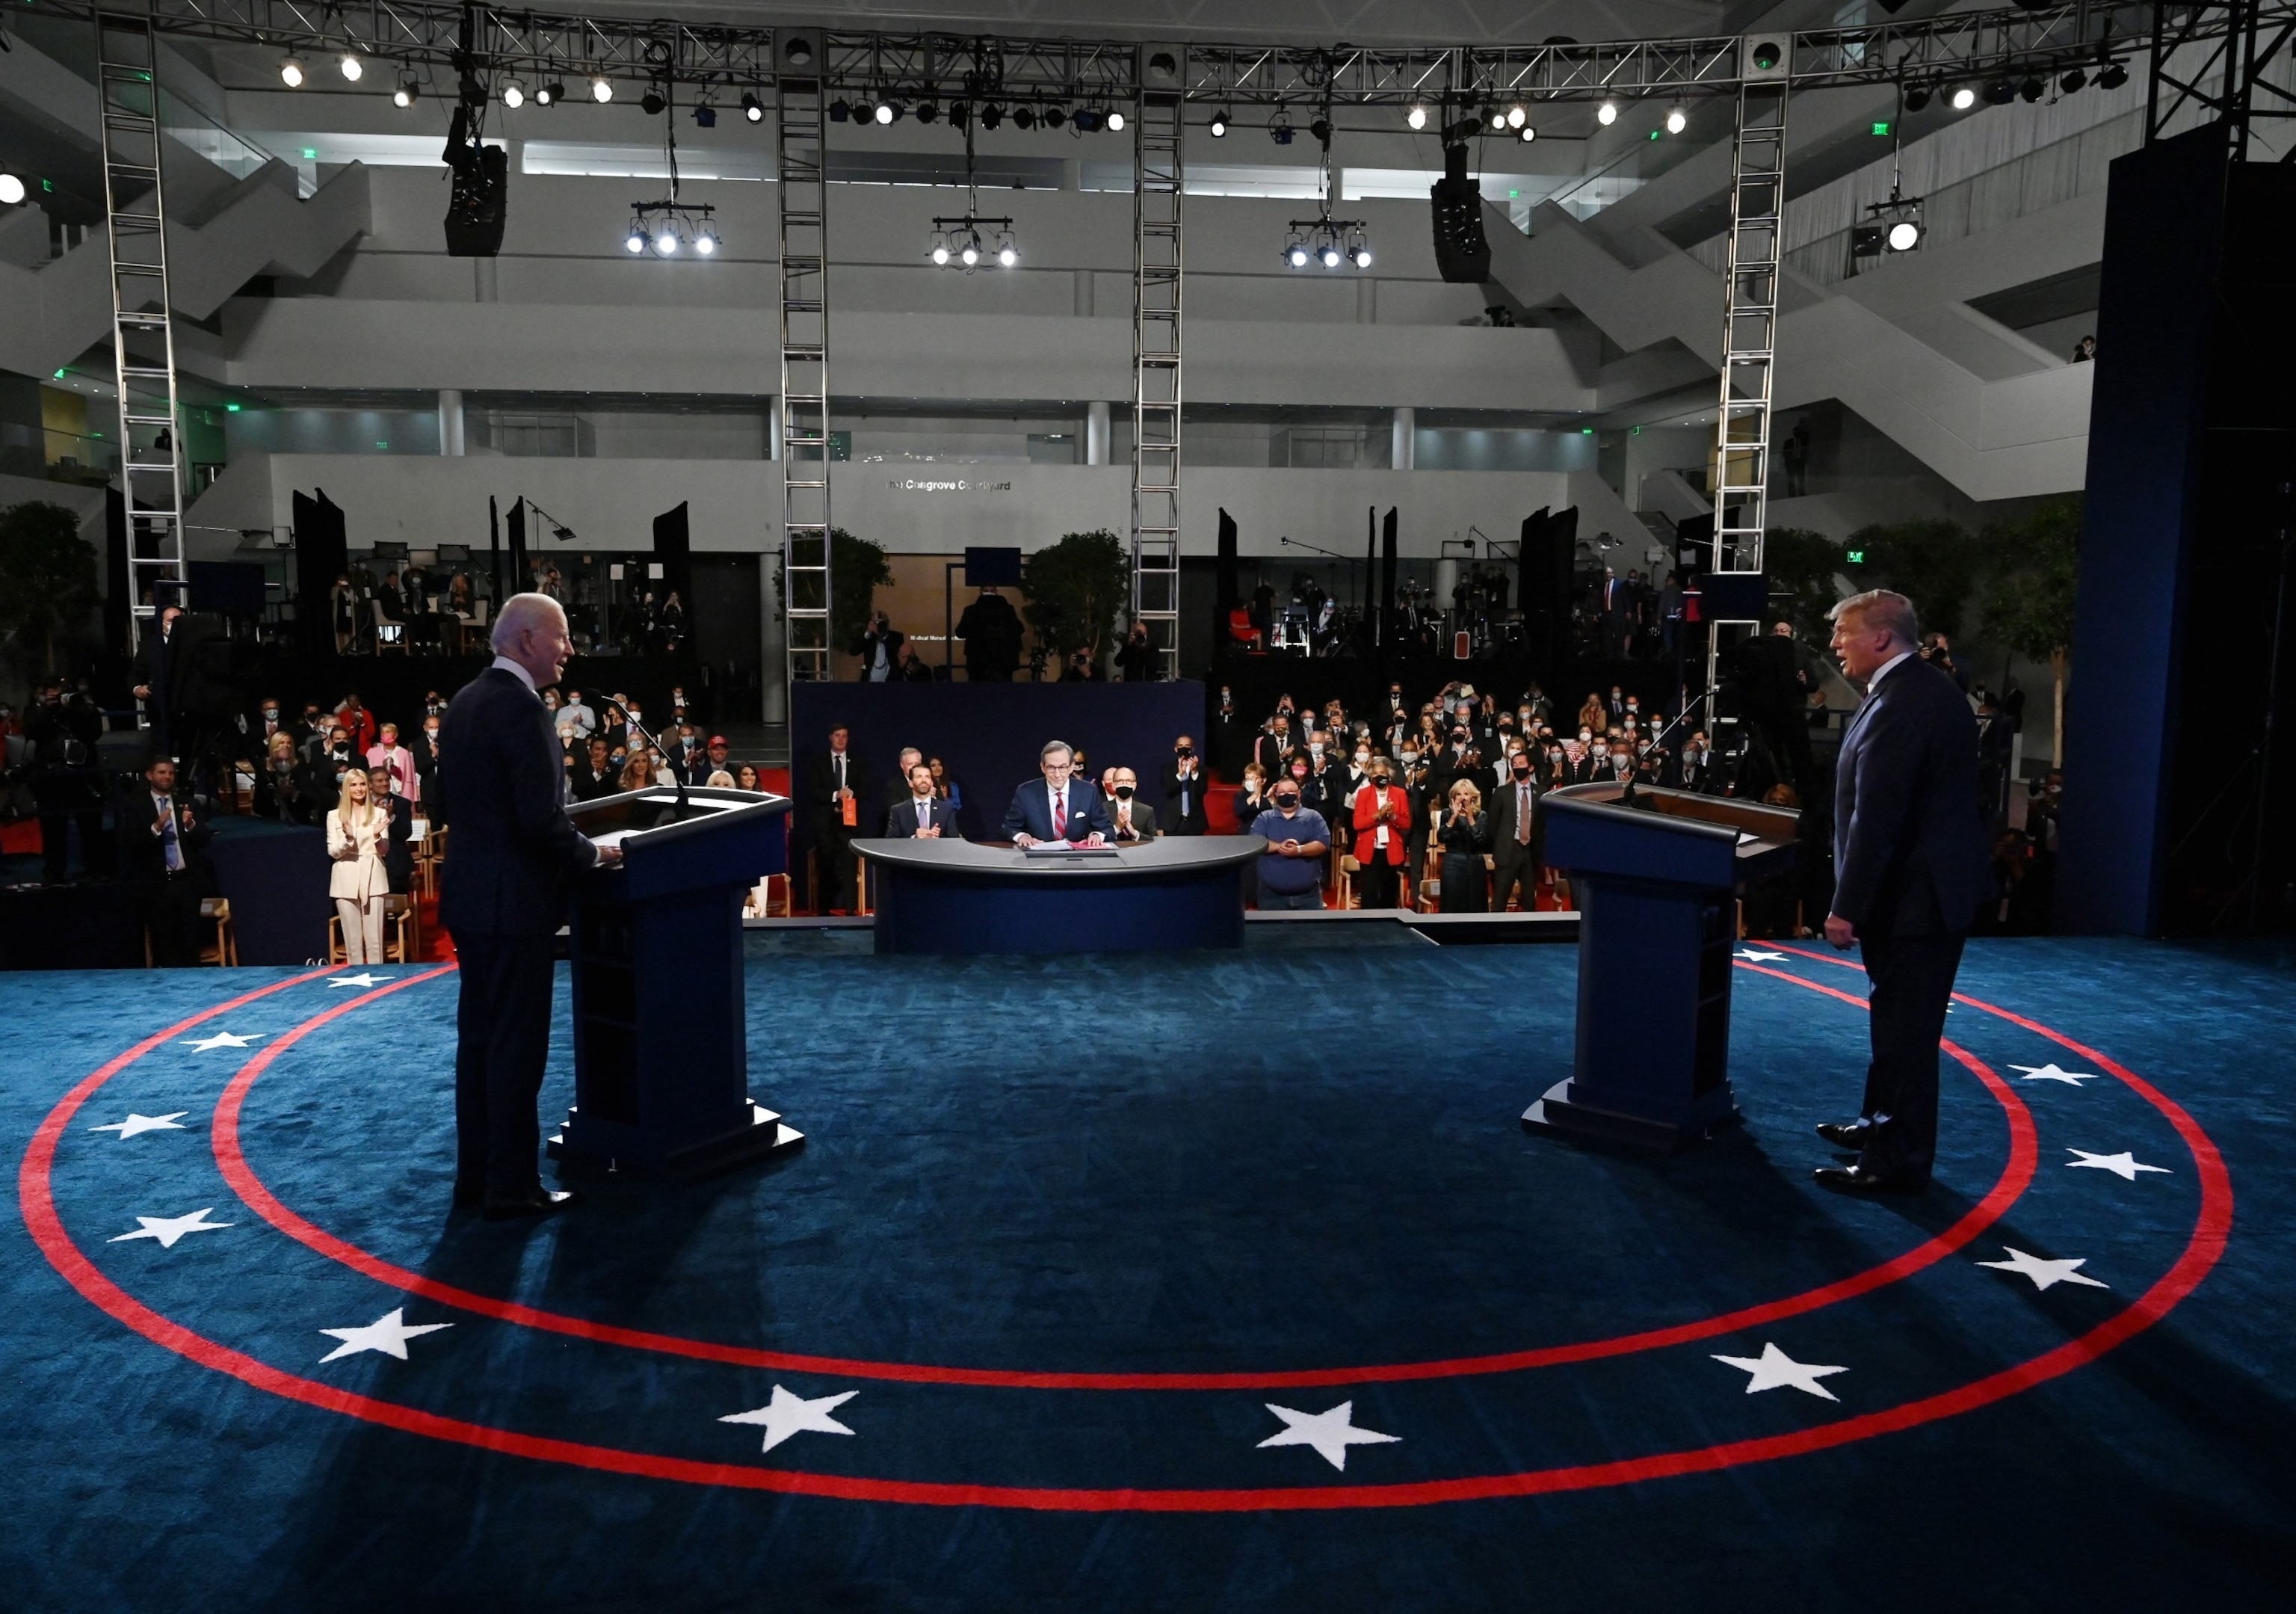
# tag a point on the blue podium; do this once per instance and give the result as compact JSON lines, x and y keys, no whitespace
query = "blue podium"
{"x":661,"y":1061}
{"x":1656,"y":882}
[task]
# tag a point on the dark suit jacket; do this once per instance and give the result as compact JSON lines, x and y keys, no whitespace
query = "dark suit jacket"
{"x":513,"y":847}
{"x":397,"y":854}
{"x":1192,"y":822}
{"x":1143,"y":821}
{"x":1909,"y":850}
{"x":1031,"y":812}
{"x":1500,"y":800}
{"x":143,"y":855}
{"x":823,"y":808}
{"x":901,"y":819}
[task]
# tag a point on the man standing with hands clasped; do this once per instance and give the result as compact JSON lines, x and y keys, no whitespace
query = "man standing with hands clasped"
{"x":504,"y":897}
{"x":1297,"y":837}
{"x":1910,"y":868}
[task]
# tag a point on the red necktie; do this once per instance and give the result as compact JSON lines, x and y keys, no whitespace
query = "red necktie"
{"x":1060,"y":817}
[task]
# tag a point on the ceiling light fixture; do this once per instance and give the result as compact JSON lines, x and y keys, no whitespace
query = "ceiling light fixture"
{"x":754,"y":109}
{"x":407,"y":90}
{"x":514,"y":94}
{"x":1964,"y":96}
{"x":1115,"y":122}
{"x":550,"y":95}
{"x":349,"y":65}
{"x":1416,"y":117}
{"x":601,"y":89}
{"x":1220,"y":123}
{"x":290,"y":72}
{"x":1607,"y":114}
{"x":1676,"y":119}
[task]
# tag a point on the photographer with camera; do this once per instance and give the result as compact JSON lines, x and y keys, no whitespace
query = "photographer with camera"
{"x":67,"y":781}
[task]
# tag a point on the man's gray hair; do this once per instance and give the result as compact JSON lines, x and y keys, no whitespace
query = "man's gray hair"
{"x":1045,"y":756}
{"x":521,"y":612}
{"x":1882,"y":608}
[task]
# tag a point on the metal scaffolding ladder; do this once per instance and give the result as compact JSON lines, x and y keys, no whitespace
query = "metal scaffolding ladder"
{"x":799,"y":161}
{"x":1741,"y":456}
{"x":142,"y":337}
{"x":1157,"y":139}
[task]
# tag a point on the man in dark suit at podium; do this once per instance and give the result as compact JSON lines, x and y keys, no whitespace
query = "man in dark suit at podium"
{"x":920,"y":814}
{"x":1910,"y":868}
{"x":503,"y":899}
{"x":1061,"y":809}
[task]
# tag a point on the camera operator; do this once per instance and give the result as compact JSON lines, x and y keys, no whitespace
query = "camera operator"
{"x":67,"y":781}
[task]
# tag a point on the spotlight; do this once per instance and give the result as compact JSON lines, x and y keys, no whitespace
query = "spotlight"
{"x":2072,"y":81}
{"x":1116,"y":122}
{"x":1296,"y":254}
{"x":940,"y":248}
{"x":928,"y":111}
{"x":992,"y":114}
{"x":1024,"y":116}
{"x":1086,"y":120}
{"x":1917,"y":97}
{"x":705,"y":239}
{"x":1905,"y":235}
{"x":665,"y":238}
{"x":1517,"y":116}
{"x":754,"y":109}
{"x":1006,"y":253}
{"x":1964,"y":96}
{"x":602,"y":90}
{"x":971,"y":253}
{"x":1360,"y":250}
{"x":1220,"y":123}
{"x":514,"y":94}
{"x":1416,"y":117}
{"x":840,"y":110}
{"x":290,"y":72}
{"x":1607,"y":114}
{"x":12,"y":189}
{"x":653,"y":101}
{"x":1676,"y":119}
{"x":405,"y":94}
{"x":1054,"y":117}
{"x":1496,"y":119}
{"x":1331,"y":255}
{"x":1280,"y":129}
{"x":1322,"y":130}
{"x":2112,"y":76}
{"x":2000,"y":92}
{"x":2032,"y":89}
{"x":889,"y":111}
{"x":705,"y":116}
{"x":550,"y":93}
{"x":349,"y":65}
{"x":1529,"y":134}
{"x":637,"y":240}
{"x":798,"y":50}
{"x":959,"y":112}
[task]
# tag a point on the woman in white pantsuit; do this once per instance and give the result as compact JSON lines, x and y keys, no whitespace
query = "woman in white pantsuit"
{"x":358,"y":882}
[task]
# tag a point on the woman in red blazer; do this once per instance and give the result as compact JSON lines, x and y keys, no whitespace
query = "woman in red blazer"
{"x":1382,"y":812}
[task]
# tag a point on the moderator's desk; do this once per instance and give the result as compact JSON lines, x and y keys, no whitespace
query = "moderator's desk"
{"x":950,"y":896}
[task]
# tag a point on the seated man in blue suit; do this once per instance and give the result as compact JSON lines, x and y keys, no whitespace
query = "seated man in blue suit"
{"x":1061,"y":809}
{"x":921,"y":815}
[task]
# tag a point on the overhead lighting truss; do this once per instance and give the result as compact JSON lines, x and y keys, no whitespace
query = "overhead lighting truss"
{"x":1970,"y":45}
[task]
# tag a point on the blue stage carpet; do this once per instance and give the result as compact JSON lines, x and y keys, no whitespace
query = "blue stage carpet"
{"x":1114,"y":1283}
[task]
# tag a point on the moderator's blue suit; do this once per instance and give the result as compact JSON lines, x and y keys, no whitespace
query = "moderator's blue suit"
{"x":1031,"y":811}
{"x":510,"y":854}
{"x":1910,"y":869}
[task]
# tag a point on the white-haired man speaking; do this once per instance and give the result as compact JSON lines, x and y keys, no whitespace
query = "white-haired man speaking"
{"x":502,"y":898}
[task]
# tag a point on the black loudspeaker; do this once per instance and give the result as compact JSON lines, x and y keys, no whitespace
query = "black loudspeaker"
{"x":522,"y":572}
{"x":322,"y":555}
{"x":1223,"y":595}
{"x":1387,"y":580}
{"x":1462,"y":253}
{"x":673,"y":546}
{"x":1549,"y":544}
{"x":479,"y":204}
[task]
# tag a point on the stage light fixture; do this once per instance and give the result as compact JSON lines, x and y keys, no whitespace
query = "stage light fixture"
{"x":1530,"y":133}
{"x":1517,"y":115}
{"x":939,"y":253}
{"x":550,"y":93}
{"x":1220,"y":123}
{"x":705,"y":116}
{"x":1963,"y":97}
{"x":1363,"y":256}
{"x":1053,"y":118}
{"x":705,"y":239}
{"x":1007,"y":254}
{"x":754,"y":109}
{"x":2000,"y":92}
{"x":1607,"y":114}
{"x":653,"y":101}
{"x":2033,"y":88}
{"x":1321,"y":128}
{"x":1331,"y":255}
{"x":2112,"y":76}
{"x":2072,"y":81}
{"x":1024,"y":116}
{"x":665,"y":238}
{"x":514,"y":94}
{"x":1279,"y":127}
{"x":636,"y":239}
{"x":1676,"y":119}
{"x":11,"y":192}
{"x":1416,"y":117}
{"x":971,"y":253}
{"x":992,"y":114}
{"x":889,"y":112}
{"x":798,"y":50}
{"x":290,"y":72}
{"x":928,"y":111}
{"x":349,"y":65}
{"x":1495,"y":118}
{"x":405,"y":94}
{"x":840,"y":110}
{"x":601,"y":89}
{"x":1917,"y":97}
{"x":1086,"y":121}
{"x":1115,"y":122}
{"x":1296,"y":254}
{"x":1905,"y":235}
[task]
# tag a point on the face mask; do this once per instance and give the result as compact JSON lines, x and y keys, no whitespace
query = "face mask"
{"x":1585,"y":734}
{"x":1316,"y":747}
{"x":1410,"y":757}
{"x":1522,"y":771}
{"x":1124,"y":792}
{"x":1363,"y":756}
{"x":1298,"y":773}
{"x":271,"y":715}
{"x":1601,"y":750}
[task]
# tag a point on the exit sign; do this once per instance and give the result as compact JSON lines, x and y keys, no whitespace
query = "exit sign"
{"x":1882,"y":129}
{"x":1856,"y":557}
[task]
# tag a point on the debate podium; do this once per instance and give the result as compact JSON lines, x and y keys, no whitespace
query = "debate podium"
{"x":661,"y":1034}
{"x":1656,"y":882}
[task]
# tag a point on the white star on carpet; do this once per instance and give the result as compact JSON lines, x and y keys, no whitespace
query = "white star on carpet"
{"x":786,"y":1415}
{"x":2045,"y":1274}
{"x":135,"y":1124}
{"x":2050,"y":1073}
{"x":222,"y":1039}
{"x":1774,"y":1368}
{"x":388,"y":1333}
{"x":2123,"y":1164}
{"x":166,"y":1230}
{"x":1330,"y":1433}
{"x":1756,"y":956}
{"x":361,"y":981}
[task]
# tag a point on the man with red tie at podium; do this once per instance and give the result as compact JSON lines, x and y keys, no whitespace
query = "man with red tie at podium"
{"x":1060,"y":811}
{"x":503,"y":899}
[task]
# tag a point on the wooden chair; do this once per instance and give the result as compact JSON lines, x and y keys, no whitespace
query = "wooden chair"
{"x":1348,"y":868}
{"x":760,"y":900}
{"x":402,"y":932}
{"x":224,"y":953}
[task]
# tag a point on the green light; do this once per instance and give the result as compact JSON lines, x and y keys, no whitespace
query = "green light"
{"x":1856,"y":557}
{"x":1638,"y":431}
{"x":231,"y":408}
{"x":1585,"y":430}
{"x":1881,"y":128}
{"x":59,"y":374}
{"x":1653,"y":134}
{"x":309,"y":155}
{"x":381,"y":445}
{"x":1513,"y":195}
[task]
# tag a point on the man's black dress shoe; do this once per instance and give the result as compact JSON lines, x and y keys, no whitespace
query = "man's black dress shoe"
{"x":1845,"y":1134}
{"x":542,"y":1202}
{"x":1858,"y":1180}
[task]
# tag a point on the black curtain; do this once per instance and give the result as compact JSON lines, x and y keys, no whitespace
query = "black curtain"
{"x":1224,"y":596}
{"x":322,"y":555}
{"x":673,"y":546}
{"x":1387,"y":579}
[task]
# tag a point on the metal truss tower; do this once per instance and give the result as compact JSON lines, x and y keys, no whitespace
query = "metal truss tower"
{"x":800,"y":156}
{"x":1158,"y":133}
{"x":143,"y":333}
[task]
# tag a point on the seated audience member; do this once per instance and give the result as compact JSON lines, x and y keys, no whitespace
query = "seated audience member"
{"x":1061,"y":809}
{"x":1465,"y":835}
{"x":1382,"y":826}
{"x":1131,"y":821}
{"x":719,"y":779}
{"x":638,"y":773}
{"x":898,"y":785}
{"x":278,"y":790}
{"x":1184,"y":789}
{"x":388,"y":754}
{"x":358,"y":882}
{"x":596,"y":775}
{"x":1252,"y":796}
{"x":745,"y":777}
{"x":720,"y":755}
{"x":919,"y":813}
{"x":945,"y":785}
{"x":1291,"y":869}
{"x":398,"y":834}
